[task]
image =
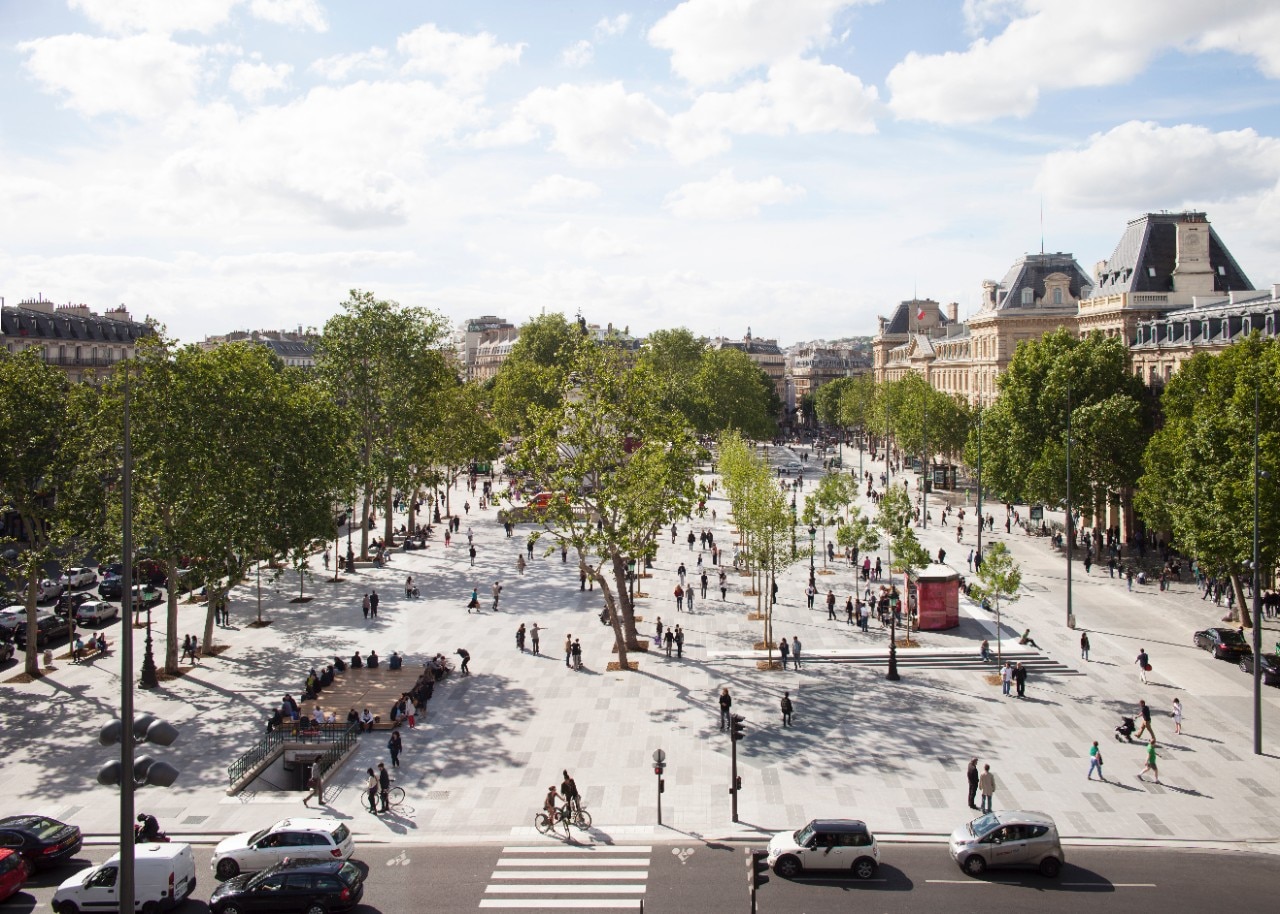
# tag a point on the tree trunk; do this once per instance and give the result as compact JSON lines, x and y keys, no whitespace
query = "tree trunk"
{"x":33,"y":579}
{"x":389,"y":506}
{"x":171,"y":617}
{"x":367,"y":502}
{"x":211,"y":600}
{"x":1242,"y":607}
{"x":628,"y":608}
{"x":619,"y":636}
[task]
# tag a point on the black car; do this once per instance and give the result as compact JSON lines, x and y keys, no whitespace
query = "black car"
{"x":43,"y":841}
{"x":69,"y":602}
{"x":50,"y":628}
{"x":1223,"y":643}
{"x":313,"y":886}
{"x":111,"y":587}
{"x":1270,"y":668}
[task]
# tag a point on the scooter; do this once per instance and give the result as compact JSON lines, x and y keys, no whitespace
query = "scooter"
{"x":157,"y":837}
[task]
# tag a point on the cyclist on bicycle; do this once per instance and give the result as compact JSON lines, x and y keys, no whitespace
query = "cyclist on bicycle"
{"x":549,"y":805}
{"x":569,"y":790}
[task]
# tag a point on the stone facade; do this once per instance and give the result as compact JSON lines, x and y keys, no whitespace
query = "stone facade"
{"x":765,"y":353}
{"x":85,"y":345}
{"x":295,"y":348}
{"x":810,"y":365}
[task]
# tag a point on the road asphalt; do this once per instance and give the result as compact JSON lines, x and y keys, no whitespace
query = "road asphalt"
{"x":893,"y":754}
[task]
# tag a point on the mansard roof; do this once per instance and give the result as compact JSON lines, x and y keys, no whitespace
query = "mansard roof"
{"x":71,"y":326}
{"x":1030,"y":272}
{"x":1147,"y":254}
{"x":904,"y":316}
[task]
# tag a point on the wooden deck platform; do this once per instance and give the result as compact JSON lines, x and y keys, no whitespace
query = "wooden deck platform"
{"x":365,"y":688}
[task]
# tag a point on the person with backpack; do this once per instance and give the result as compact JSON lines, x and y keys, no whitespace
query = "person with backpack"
{"x":786,"y":709}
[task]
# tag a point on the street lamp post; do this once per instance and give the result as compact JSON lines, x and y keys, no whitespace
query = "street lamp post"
{"x":813,"y":535}
{"x":793,"y":526}
{"x":892,"y":674}
{"x":979,"y":480}
{"x":1070,"y":526}
{"x":125,"y":880}
{"x":148,"y":679}
{"x":1257,"y":603}
{"x":351,"y":556}
{"x":924,"y":473}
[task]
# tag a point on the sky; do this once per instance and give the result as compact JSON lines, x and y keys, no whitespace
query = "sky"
{"x":795,"y":167}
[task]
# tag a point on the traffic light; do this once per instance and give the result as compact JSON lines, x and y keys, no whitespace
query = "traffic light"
{"x":736,"y":729}
{"x":146,"y":770}
{"x":757,"y":869}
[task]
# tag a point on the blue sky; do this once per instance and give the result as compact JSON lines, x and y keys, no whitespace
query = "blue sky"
{"x":796,"y":166}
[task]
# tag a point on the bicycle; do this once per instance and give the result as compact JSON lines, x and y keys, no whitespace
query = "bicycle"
{"x":395,"y":799}
{"x":577,"y":817}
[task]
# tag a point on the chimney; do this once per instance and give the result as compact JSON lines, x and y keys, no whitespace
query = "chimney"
{"x":37,"y":304}
{"x":80,"y":310}
{"x":953,"y":312}
{"x":1193,"y":274}
{"x":118,"y":314}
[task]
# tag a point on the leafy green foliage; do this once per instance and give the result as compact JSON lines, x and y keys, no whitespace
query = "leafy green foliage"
{"x":533,"y":375}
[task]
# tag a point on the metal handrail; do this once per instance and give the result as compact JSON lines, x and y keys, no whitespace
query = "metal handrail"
{"x":343,"y":736}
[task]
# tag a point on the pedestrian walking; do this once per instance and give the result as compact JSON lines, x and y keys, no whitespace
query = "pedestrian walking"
{"x":497,"y":592}
{"x":987,"y":784}
{"x":795,"y":651}
{"x":703,"y":581}
{"x":831,"y":605}
{"x":784,"y":649}
{"x":679,"y":593}
{"x":395,"y":746}
{"x":384,"y":784}
{"x":848,"y":611}
{"x":679,"y":642}
{"x":528,"y":546}
{"x":809,"y":593}
{"x":520,"y":633}
{"x":1095,"y":762}
{"x":786,"y":709}
{"x":471,"y":550}
{"x":726,"y":703}
{"x":1144,"y":664}
{"x":520,"y":564}
{"x":688,"y":598}
{"x":474,"y":602}
{"x":371,"y":790}
{"x":971,"y":775}
{"x":724,"y":586}
{"x":1006,"y":677}
{"x":1151,"y":761}
{"x":466,"y":660}
{"x":533,"y":638}
{"x":1144,"y":712}
{"x":669,"y":641}
{"x":1084,"y":646}
{"x":568,"y":650}
{"x":315,"y":786}
{"x":1020,"y":678}
{"x":364,"y":605}
{"x":1177,"y":716}
{"x":373,"y":604}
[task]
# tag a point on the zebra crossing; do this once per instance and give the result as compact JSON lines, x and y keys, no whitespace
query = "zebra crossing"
{"x":592,"y":877}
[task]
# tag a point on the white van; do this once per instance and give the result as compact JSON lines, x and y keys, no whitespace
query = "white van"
{"x":163,"y":876}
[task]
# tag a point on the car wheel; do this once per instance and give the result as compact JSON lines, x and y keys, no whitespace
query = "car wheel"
{"x":788,"y":867}
{"x":231,"y":908}
{"x":864,"y":867}
{"x":1050,"y":867}
{"x":315,"y":908}
{"x":975,"y":865}
{"x":1244,"y":667}
{"x":228,"y":868}
{"x":150,"y":908}
{"x":67,"y":907}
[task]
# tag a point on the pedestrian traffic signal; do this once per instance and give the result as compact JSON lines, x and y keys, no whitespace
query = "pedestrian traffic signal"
{"x":736,"y":729}
{"x":737,"y":783}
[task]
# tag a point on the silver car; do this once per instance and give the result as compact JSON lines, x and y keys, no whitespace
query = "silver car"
{"x":1013,"y":838}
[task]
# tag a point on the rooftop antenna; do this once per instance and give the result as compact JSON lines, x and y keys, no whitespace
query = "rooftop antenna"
{"x":1042,"y":224}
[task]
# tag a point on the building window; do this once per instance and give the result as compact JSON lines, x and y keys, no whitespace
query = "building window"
{"x":1057,"y":300}
{"x":1028,"y":296}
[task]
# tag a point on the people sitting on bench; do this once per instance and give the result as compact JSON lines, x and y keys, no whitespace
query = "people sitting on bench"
{"x":356,"y":662}
{"x":353,"y":717}
{"x":366,"y":721}
{"x":339,"y":664}
{"x":276,"y":721}
{"x":326,"y":677}
{"x":395,"y":661}
{"x":372,"y":660}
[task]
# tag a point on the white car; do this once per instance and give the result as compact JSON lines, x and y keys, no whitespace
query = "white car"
{"x":49,"y":589}
{"x":11,"y":617}
{"x":252,"y":851}
{"x":78,"y":577}
{"x":825,"y":844}
{"x":96,"y":612}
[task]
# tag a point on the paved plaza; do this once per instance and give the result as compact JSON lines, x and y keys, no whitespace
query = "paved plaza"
{"x":893,"y":754}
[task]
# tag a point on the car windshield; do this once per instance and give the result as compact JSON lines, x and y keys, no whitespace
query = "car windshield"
{"x":983,"y":824}
{"x":349,"y":874}
{"x":1230,"y":636}
{"x":340,"y":834}
{"x":803,"y":835}
{"x":44,"y":828}
{"x":257,"y":836}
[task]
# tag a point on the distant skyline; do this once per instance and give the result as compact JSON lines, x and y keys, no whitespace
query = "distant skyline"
{"x":796,"y":166}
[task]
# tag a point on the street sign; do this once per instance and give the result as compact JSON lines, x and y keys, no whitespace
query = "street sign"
{"x":659,"y":756}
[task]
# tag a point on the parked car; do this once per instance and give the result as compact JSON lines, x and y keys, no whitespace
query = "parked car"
{"x":45,"y":842}
{"x":78,"y":577}
{"x":49,"y":589}
{"x":11,"y":617}
{"x":308,"y":885}
{"x":253,"y":851}
{"x":1014,"y":838}
{"x":6,"y":648}
{"x":1270,"y":667}
{"x":144,"y":596}
{"x":111,"y":587}
{"x":50,"y":627}
{"x":825,"y":844}
{"x":96,"y":612}
{"x":1223,"y":643}
{"x":14,"y":870}
{"x":164,"y":875}
{"x":68,"y":603}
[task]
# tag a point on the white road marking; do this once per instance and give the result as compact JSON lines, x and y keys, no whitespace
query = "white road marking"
{"x":565,"y":889}
{"x":560,"y":903}
{"x":572,"y":874}
{"x":584,"y":849}
{"x":571,"y":861}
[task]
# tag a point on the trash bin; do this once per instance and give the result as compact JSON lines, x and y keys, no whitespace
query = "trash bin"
{"x":48,"y":657}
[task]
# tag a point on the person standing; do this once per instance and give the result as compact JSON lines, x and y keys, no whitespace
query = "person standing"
{"x":688,"y":598}
{"x":987,"y":784}
{"x":703,"y":581}
{"x":364,"y":605}
{"x":669,"y":641}
{"x":1144,"y":712}
{"x":809,"y":593}
{"x":528,"y":547}
{"x":785,"y":650}
{"x":724,"y":586}
{"x":533,"y":638}
{"x":864,"y":616}
{"x":373,"y":604}
{"x":971,"y":775}
{"x":520,"y":633}
{"x":394,"y":746}
{"x":1095,"y":762}
{"x":384,"y":784}
{"x":568,"y":650}
{"x":1177,"y":716}
{"x":1020,"y":677}
{"x":1006,"y":677}
{"x":497,"y":592}
{"x":471,"y":550}
{"x":1151,"y":761}
{"x":795,"y":651}
{"x":848,"y":610}
{"x":577,"y":654}
{"x":786,"y":709}
{"x":520,"y":564}
{"x":1084,"y":646}
{"x":726,"y":703}
{"x":679,"y":642}
{"x":1144,"y":664}
{"x":831,"y":605}
{"x":371,"y":790}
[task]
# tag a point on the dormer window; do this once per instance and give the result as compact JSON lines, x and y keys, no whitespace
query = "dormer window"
{"x":1028,"y":296}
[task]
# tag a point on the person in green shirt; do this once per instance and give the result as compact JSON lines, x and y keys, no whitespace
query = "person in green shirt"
{"x":1151,"y":761}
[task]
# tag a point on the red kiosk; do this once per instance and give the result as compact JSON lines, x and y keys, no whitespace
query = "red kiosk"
{"x":937,"y":597}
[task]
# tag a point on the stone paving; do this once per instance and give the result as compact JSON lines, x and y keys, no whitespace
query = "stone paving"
{"x":891,"y":753}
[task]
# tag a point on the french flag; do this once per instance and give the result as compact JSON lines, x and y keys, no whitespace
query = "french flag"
{"x":920,"y":313}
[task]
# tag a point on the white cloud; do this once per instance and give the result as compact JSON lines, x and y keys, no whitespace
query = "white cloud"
{"x":803,"y":96}
{"x":610,"y":26}
{"x":164,"y":17}
{"x":340,"y":67}
{"x":712,"y":41}
{"x":578,"y":54}
{"x":254,"y":80}
{"x":1142,"y":165}
{"x":594,"y":124}
{"x":593,"y":243}
{"x":1053,"y":45}
{"x":290,"y":12}
{"x":725,"y":197}
{"x":560,"y":189}
{"x":143,"y":76}
{"x":463,"y":60}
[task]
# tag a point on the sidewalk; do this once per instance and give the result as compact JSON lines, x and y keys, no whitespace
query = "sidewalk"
{"x":891,"y":753}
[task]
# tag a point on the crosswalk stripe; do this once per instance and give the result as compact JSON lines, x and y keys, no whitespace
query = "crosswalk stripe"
{"x":575,"y":861}
{"x":565,"y":889}
{"x":572,"y":874}
{"x":583,"y":849}
{"x":560,"y":903}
